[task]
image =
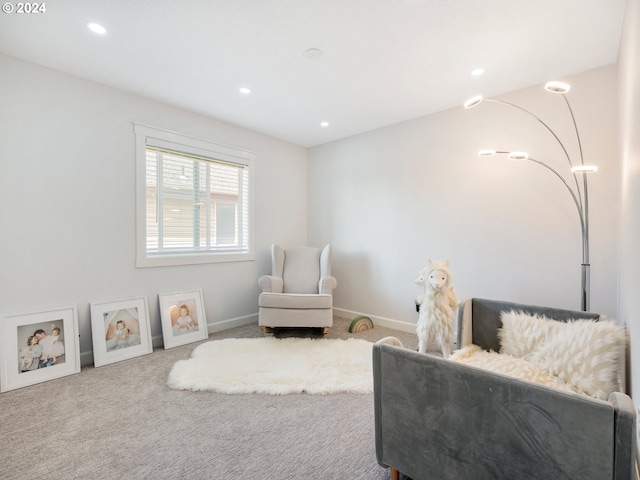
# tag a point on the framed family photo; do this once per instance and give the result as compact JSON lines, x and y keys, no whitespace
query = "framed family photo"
{"x":38,"y":346}
{"x":183,"y":318}
{"x":120,"y":330}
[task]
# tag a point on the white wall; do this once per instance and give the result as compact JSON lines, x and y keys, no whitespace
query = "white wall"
{"x":392,"y":198}
{"x":629,"y":63}
{"x":67,"y":200}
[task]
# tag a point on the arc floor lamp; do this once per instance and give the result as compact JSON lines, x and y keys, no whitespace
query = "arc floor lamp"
{"x":579,"y":195}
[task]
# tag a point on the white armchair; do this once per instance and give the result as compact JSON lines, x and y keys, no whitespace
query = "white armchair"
{"x":299,"y":291}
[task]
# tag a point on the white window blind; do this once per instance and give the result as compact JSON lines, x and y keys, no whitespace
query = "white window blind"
{"x":196,"y":202}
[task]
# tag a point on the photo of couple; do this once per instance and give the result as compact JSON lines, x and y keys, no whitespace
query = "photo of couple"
{"x":41,"y":346}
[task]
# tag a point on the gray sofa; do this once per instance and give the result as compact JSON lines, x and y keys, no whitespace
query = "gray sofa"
{"x":437,"y":419}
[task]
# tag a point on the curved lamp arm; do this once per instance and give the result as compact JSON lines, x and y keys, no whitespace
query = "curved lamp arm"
{"x":580,"y":196}
{"x":581,"y":213}
{"x":566,"y":154}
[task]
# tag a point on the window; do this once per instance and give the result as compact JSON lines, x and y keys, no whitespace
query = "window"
{"x":193,"y":200}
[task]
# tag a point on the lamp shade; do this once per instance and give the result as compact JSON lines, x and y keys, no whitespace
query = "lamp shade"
{"x":487,"y":152}
{"x":584,"y":169}
{"x":518,"y":155}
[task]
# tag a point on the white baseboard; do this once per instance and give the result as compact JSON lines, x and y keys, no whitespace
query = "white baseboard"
{"x":382,"y":321}
{"x":86,"y":358}
{"x":232,"y":323}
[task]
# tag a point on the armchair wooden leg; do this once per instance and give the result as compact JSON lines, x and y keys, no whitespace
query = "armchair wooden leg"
{"x":266,"y":329}
{"x":395,"y":474}
{"x":325,"y":330}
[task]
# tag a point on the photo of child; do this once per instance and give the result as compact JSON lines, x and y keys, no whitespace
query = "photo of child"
{"x":183,"y":318}
{"x":30,"y":355}
{"x":57,"y":345}
{"x":123,"y":329}
{"x":122,"y":334}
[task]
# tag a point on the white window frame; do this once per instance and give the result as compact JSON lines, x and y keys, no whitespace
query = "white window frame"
{"x":148,"y":135}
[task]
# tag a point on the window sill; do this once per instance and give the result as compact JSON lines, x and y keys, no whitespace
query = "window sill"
{"x":193,"y":259}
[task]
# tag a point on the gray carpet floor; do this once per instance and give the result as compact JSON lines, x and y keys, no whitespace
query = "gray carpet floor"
{"x":122,"y":421}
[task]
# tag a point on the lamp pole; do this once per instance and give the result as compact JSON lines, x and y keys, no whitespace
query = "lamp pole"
{"x":580,"y":196}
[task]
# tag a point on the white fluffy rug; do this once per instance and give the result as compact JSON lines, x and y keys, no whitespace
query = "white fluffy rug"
{"x":277,"y":366}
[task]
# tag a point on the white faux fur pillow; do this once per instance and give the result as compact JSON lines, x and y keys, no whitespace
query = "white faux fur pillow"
{"x":508,"y":365}
{"x":522,"y":334}
{"x":582,"y":353}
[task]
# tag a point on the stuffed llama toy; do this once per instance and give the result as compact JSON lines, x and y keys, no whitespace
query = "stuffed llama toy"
{"x":437,"y":305}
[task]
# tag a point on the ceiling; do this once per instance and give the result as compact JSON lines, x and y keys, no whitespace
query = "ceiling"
{"x":382,"y":62}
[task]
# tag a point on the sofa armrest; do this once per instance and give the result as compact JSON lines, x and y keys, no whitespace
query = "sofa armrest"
{"x":390,"y":341}
{"x":326,"y":285}
{"x":625,"y":436}
{"x":464,"y":327}
{"x":435,"y":418}
{"x":271,"y":284}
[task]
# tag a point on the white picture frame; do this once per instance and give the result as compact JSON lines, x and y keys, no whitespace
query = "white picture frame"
{"x":120,"y":330}
{"x":28,"y":356}
{"x":183,"y":318}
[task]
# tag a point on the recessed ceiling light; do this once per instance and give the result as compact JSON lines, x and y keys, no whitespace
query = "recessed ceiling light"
{"x":312,"y":53}
{"x":324,"y":124}
{"x":244,"y":90}
{"x":96,"y":28}
{"x":557,"y":87}
{"x":476,"y":72}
